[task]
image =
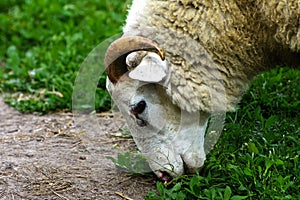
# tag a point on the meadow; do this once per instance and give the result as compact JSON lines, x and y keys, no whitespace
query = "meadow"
{"x":43,"y":43}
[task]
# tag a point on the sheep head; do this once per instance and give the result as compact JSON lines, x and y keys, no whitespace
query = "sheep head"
{"x":170,"y":138}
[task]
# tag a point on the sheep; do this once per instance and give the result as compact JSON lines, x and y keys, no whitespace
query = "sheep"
{"x":180,"y":62}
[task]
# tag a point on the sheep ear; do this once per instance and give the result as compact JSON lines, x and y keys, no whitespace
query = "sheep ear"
{"x":151,"y":69}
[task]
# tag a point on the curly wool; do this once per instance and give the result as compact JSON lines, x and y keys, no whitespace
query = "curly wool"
{"x":215,"y":48}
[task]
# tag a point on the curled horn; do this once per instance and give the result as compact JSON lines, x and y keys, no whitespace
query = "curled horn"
{"x":115,"y":57}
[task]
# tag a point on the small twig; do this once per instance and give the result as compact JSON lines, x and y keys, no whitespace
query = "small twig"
{"x":60,"y":196}
{"x":12,"y":131}
{"x":124,"y":180}
{"x":68,"y":114}
{"x":105,"y":114}
{"x":123,"y":196}
{"x":115,"y":141}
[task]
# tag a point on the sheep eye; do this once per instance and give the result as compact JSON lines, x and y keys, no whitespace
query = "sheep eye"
{"x":138,"y":108}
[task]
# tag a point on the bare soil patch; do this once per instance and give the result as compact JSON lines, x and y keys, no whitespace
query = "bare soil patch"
{"x":57,"y":156}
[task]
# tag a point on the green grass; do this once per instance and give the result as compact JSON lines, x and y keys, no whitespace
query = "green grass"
{"x":42,"y":45}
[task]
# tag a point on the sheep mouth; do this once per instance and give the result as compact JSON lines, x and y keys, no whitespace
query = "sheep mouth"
{"x":164,"y":176}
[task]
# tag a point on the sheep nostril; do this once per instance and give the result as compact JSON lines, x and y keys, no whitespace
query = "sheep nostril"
{"x":141,"y":122}
{"x":164,"y":176}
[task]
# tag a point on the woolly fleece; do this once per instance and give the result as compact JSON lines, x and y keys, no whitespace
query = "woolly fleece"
{"x":215,"y":48}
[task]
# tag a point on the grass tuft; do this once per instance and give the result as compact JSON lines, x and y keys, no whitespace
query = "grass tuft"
{"x":43,"y":44}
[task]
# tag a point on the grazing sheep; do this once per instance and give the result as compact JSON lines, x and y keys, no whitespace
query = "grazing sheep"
{"x":181,"y":61}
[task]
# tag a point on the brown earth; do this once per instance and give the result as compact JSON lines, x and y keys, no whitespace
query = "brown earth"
{"x":59,"y":156}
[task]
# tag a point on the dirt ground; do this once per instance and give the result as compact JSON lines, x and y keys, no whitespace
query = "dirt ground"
{"x":59,"y":156}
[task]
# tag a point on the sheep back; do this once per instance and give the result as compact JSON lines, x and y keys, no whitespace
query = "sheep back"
{"x":209,"y":43}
